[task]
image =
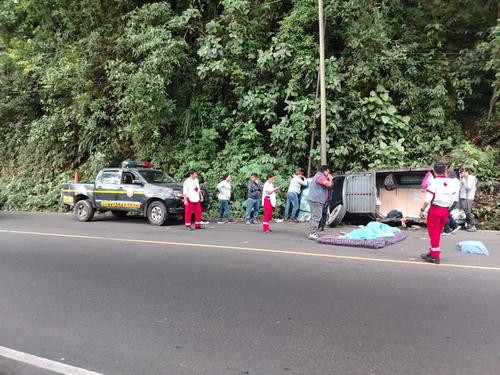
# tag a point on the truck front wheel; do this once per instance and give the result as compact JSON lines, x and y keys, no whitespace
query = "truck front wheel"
{"x":84,"y":210}
{"x":157,"y":213}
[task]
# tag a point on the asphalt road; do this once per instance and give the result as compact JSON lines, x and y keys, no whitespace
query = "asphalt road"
{"x":231,"y":300}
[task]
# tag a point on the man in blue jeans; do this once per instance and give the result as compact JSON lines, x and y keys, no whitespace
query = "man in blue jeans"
{"x":254,"y":197}
{"x":292,"y":197}
{"x":224,"y":196}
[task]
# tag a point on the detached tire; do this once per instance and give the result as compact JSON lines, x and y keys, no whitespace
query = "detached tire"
{"x":119,"y":213}
{"x":84,"y":210}
{"x":336,"y":216}
{"x":157,"y":213}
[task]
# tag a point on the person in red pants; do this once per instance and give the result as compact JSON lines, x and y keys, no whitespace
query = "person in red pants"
{"x":192,"y":200}
{"x":440,"y":195}
{"x":268,"y":201}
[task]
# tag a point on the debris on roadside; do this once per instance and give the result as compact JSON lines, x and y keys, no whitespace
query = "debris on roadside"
{"x":472,"y":247}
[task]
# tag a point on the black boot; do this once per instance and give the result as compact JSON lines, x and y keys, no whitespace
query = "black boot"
{"x":429,"y":259}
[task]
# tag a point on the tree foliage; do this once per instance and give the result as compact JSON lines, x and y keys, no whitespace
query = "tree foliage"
{"x":230,"y":85}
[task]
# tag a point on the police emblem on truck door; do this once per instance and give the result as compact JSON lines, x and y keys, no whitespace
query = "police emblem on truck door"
{"x":132,"y":194}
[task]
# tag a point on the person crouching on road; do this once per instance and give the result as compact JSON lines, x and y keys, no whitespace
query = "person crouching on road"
{"x":268,"y":201}
{"x":451,"y":225}
{"x":192,"y":200}
{"x":318,"y":195}
{"x":440,"y":195}
{"x":254,"y":198}
{"x":292,"y":196}
{"x":224,"y":188}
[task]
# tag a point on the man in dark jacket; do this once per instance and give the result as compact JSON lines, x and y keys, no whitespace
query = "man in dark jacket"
{"x":253,"y":201}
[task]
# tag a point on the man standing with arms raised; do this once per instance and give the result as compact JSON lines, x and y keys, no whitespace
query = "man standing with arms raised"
{"x":318,"y":195}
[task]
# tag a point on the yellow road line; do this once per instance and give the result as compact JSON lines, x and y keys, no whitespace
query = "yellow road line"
{"x":253,"y":249}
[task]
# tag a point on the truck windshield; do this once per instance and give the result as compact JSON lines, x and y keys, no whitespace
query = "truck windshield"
{"x":156,"y":177}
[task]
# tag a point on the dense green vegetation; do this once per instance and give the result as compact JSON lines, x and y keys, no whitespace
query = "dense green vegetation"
{"x":230,"y":85}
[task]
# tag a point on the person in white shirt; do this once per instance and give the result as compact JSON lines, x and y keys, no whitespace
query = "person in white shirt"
{"x":440,"y":196}
{"x":224,"y":188}
{"x":192,"y":200}
{"x":468,"y":185}
{"x":268,"y":201}
{"x":292,"y":197}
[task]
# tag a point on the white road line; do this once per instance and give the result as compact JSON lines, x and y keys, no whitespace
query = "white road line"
{"x":43,"y":363}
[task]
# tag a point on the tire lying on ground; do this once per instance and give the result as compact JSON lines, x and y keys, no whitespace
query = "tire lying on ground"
{"x":336,"y":215}
{"x":84,"y":210}
{"x":119,"y":213}
{"x":157,"y":213}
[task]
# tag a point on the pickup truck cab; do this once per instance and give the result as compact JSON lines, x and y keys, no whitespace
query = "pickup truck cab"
{"x":148,"y":191}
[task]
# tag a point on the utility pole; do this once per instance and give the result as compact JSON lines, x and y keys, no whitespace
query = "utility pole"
{"x":322,"y":80}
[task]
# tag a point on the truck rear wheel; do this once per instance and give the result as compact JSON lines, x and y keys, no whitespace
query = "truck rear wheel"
{"x":84,"y":210}
{"x":157,"y":213}
{"x":116,"y":213}
{"x":336,"y":215}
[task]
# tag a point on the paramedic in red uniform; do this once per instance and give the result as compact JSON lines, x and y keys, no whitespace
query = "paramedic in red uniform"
{"x":192,"y":200}
{"x":268,"y":201}
{"x":440,"y":196}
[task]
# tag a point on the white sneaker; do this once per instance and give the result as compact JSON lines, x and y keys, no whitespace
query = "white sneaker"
{"x":220,"y":222}
{"x":313,"y":236}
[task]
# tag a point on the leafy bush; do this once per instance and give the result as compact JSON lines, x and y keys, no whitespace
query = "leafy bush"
{"x":230,"y":86}
{"x":32,"y":192}
{"x":484,"y":163}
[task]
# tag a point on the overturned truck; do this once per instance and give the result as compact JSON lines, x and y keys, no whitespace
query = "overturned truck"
{"x":366,"y":196}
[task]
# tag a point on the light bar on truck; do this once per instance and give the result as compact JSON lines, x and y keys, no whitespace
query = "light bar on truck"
{"x":136,"y":164}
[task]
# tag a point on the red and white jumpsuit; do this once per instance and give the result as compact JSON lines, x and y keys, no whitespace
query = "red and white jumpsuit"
{"x":440,"y":195}
{"x":192,"y":196}
{"x":269,"y":202}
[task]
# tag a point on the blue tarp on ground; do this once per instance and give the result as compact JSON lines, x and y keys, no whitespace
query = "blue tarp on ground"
{"x":473,"y":247}
{"x":371,"y":231}
{"x":304,"y":213}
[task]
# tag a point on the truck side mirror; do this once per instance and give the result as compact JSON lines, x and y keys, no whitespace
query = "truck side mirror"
{"x":137,"y":182}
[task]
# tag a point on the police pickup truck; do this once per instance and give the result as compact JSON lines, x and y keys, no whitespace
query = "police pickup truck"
{"x":132,"y":188}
